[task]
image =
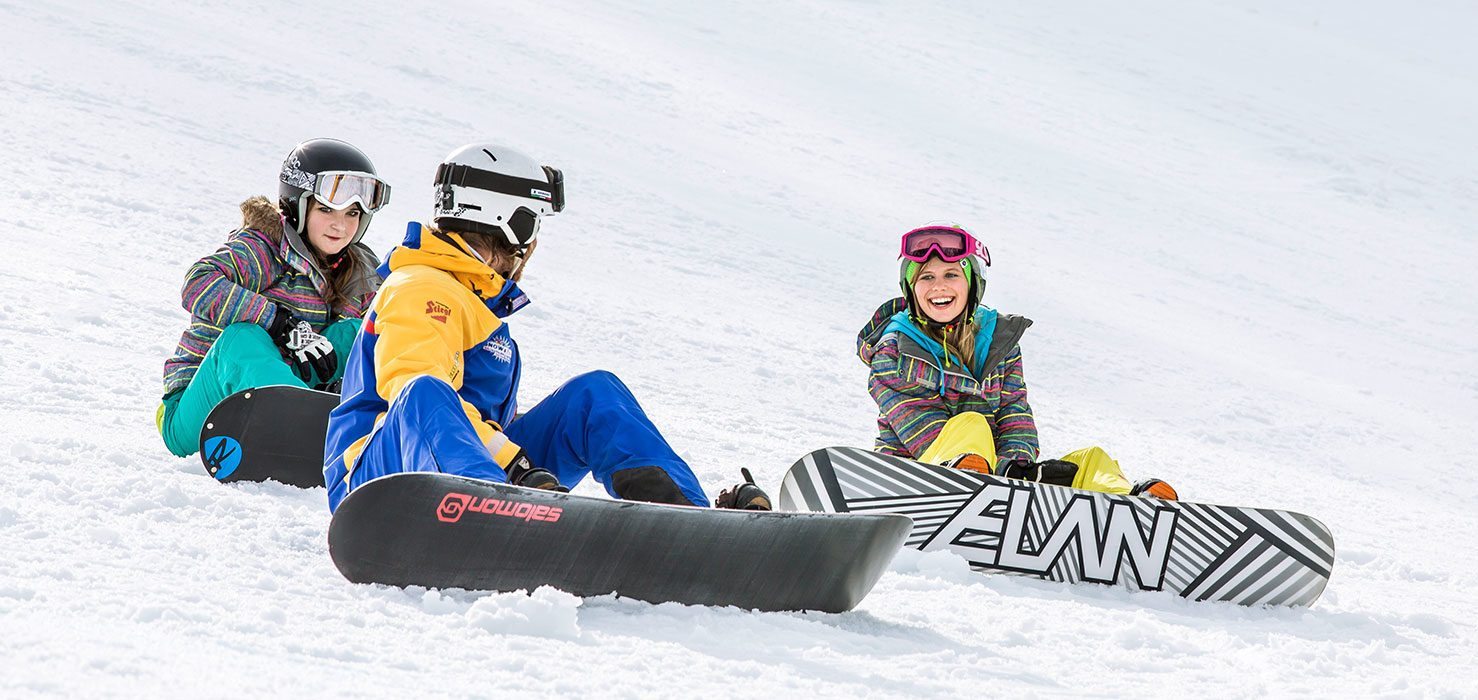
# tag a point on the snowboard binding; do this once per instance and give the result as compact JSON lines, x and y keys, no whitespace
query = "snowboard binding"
{"x":522,"y":472}
{"x":743,"y":496}
{"x":1155,"y":488}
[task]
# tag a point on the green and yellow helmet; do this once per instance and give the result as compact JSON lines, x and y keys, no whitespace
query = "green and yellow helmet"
{"x":974,"y":266}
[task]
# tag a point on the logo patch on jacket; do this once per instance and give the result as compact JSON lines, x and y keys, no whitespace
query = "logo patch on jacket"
{"x":438,"y":311}
{"x":500,"y":348}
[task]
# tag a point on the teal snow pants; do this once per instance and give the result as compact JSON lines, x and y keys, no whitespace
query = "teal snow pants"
{"x":244,"y":357}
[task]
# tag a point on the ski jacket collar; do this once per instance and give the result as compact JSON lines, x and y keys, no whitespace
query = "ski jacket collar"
{"x":424,"y":245}
{"x":985,"y":322}
{"x":997,"y":335}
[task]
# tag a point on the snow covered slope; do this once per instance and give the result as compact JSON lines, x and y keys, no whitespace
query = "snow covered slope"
{"x":1246,"y":233}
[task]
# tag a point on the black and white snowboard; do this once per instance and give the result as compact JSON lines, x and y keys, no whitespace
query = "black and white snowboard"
{"x":1249,"y":556}
{"x":444,"y":531}
{"x":273,"y":432}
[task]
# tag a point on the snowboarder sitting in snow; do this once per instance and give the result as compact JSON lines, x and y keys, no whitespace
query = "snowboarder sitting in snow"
{"x":946,"y":373}
{"x":433,"y":379}
{"x":280,"y":302}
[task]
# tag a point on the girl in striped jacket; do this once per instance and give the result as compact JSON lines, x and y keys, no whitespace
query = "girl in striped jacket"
{"x":281,"y":301}
{"x":946,"y":372}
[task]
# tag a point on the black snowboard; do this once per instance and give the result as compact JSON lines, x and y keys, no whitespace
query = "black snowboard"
{"x":273,"y":432}
{"x":443,"y":531}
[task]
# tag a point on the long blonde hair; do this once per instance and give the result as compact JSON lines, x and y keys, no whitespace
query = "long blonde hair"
{"x":958,"y":337}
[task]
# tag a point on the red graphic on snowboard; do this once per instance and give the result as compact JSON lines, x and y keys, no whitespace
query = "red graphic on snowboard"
{"x":454,"y":505}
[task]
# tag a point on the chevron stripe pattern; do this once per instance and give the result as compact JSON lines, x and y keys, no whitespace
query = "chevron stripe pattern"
{"x":1248,"y":556}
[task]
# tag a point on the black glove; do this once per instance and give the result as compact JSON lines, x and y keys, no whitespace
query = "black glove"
{"x":308,"y":352}
{"x":1052,"y":471}
{"x":522,"y":472}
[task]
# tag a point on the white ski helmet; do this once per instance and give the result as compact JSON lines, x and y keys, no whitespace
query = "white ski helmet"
{"x":492,"y":189}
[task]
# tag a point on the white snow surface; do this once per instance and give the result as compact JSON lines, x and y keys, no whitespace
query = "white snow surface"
{"x":1245,"y":230}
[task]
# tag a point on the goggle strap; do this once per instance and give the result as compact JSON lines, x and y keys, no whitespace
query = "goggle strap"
{"x":460,"y":175}
{"x":557,"y":181}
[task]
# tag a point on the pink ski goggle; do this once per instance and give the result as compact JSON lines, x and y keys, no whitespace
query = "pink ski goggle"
{"x":949,"y":243}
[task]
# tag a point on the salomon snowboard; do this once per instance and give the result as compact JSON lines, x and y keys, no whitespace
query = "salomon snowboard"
{"x":273,"y":432}
{"x":1249,"y":556}
{"x":443,"y":531}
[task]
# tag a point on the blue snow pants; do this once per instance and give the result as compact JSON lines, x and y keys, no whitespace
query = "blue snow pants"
{"x":590,"y":425}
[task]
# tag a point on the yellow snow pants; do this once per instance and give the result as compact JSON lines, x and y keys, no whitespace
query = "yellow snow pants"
{"x":969,"y":432}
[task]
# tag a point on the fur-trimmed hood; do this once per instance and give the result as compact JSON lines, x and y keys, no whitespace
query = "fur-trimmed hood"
{"x":260,"y":214}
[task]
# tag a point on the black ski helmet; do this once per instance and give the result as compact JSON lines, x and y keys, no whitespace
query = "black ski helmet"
{"x":299,"y":177}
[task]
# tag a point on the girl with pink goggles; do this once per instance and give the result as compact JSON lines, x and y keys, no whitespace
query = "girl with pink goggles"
{"x":949,"y":243}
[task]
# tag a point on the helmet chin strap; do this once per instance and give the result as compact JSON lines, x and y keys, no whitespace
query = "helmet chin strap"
{"x":521,"y":256}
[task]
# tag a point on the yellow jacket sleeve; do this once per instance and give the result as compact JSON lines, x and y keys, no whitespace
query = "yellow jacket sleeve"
{"x":425,"y":322}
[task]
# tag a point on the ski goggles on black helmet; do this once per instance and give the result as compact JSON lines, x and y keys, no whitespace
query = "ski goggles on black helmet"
{"x":339,"y":189}
{"x":948,"y":243}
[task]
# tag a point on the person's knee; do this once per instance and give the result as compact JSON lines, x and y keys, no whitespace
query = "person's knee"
{"x":596,"y":380}
{"x":1096,"y":453}
{"x":967,"y":432}
{"x":427,"y":387}
{"x":347,"y":325}
{"x":965,"y":427}
{"x":342,"y":332}
{"x":244,"y":332}
{"x":967,"y":420}
{"x":597,"y":393}
{"x":1088,"y":456}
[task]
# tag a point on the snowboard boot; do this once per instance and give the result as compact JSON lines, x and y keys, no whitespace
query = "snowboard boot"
{"x":744,"y":496}
{"x":968,"y":461}
{"x":1155,"y":488}
{"x":524,"y":473}
{"x":541,"y":479}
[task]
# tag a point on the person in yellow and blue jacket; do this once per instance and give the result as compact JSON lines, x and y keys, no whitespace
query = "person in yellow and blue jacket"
{"x":946,"y":373}
{"x":281,"y":301}
{"x":432,"y":381}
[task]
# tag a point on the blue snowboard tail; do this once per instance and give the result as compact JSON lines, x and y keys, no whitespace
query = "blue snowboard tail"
{"x":272,"y":432}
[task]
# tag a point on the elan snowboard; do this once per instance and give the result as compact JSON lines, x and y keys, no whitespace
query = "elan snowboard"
{"x":1249,"y":556}
{"x":273,"y":432}
{"x":443,"y":531}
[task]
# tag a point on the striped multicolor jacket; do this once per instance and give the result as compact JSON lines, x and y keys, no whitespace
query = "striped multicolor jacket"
{"x":240,"y":283}
{"x":917,"y":391}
